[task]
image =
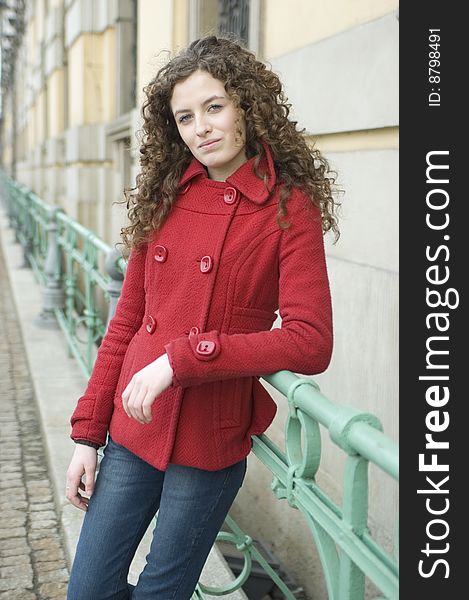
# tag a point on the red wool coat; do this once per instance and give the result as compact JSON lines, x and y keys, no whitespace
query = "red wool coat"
{"x":204,"y":290}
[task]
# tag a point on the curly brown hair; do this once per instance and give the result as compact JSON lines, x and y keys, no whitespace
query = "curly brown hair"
{"x":258,"y":92}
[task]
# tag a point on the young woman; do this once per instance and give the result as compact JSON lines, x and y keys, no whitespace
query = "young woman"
{"x":226,"y":227}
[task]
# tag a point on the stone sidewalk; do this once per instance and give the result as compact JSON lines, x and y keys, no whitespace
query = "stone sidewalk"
{"x":32,"y":558}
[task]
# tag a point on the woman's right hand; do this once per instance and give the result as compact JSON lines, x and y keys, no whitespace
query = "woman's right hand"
{"x":83,"y":462}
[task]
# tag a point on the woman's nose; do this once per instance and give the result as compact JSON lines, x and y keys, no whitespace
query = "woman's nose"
{"x":202,"y":127}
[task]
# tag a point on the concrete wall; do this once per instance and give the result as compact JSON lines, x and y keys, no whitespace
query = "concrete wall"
{"x":358,"y":92}
{"x":292,"y":25}
{"x":155,"y":40}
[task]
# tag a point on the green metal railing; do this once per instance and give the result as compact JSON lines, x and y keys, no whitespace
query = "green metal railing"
{"x":68,"y":261}
{"x":81,"y":319}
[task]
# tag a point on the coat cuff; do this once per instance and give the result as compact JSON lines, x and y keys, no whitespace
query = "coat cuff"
{"x":187,"y":354}
{"x":88,"y":443}
{"x":86,"y":429}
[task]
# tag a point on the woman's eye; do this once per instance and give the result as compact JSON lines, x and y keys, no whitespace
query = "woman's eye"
{"x":183,"y":118}
{"x":215,"y":107}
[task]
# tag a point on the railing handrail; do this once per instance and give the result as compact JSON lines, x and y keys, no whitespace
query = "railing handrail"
{"x":364,"y":438}
{"x":67,"y":221}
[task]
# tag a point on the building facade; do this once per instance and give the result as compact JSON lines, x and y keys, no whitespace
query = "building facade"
{"x":72,"y":79}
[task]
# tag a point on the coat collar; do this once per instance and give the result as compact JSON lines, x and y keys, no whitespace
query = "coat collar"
{"x":244,"y":179}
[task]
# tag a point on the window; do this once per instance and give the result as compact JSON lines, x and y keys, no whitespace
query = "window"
{"x":238,"y":17}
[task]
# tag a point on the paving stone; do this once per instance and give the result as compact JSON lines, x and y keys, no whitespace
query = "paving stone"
{"x":12,"y":532}
{"x":50,"y":554}
{"x":42,"y":515}
{"x":13,"y":544}
{"x":13,"y":504}
{"x":40,"y":506}
{"x":9,"y":443}
{"x":38,"y":534}
{"x":56,"y":575}
{"x":44,"y":524}
{"x":10,"y":468}
{"x":43,"y":497}
{"x":15,"y":582}
{"x":53,"y":590}
{"x":48,"y":543}
{"x":41,"y":484}
{"x":33,"y":469}
{"x":50,"y":565}
{"x":9,"y":435}
{"x":18,"y":595}
{"x":12,"y":478}
{"x":12,"y":483}
{"x":21,"y":570}
{"x":15,"y":521}
{"x":7,"y":561}
{"x":17,"y":494}
{"x":12,"y":513}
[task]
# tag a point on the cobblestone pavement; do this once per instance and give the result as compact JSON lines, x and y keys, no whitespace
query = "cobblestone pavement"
{"x":32,"y":559}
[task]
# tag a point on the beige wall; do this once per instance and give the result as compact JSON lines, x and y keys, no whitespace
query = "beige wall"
{"x":154,"y":40}
{"x":371,"y":139}
{"x":108,"y":59}
{"x":180,"y":23}
{"x":55,"y":105}
{"x":41,"y":131}
{"x":76,"y":97}
{"x":30,"y":38}
{"x":31,"y":128}
{"x":296,"y":23}
{"x":39,"y":21}
{"x":91,"y":79}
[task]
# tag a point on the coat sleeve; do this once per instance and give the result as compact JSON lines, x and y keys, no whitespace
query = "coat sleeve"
{"x":92,"y":414}
{"x":303,"y":344}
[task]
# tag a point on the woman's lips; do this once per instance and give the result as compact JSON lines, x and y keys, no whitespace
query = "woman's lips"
{"x":208,"y":144}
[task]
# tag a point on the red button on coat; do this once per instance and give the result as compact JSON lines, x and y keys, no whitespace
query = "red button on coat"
{"x":161,"y":253}
{"x":206,"y":347}
{"x":206,"y":264}
{"x":230,"y":195}
{"x":194,"y":331}
{"x":151,"y":324}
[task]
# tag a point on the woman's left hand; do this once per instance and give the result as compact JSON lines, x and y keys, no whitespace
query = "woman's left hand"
{"x":144,"y":387}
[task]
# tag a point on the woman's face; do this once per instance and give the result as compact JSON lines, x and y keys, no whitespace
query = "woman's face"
{"x":210,"y":126}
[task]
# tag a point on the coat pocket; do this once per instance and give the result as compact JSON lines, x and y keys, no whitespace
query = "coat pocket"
{"x":233,"y":397}
{"x":247,"y":319}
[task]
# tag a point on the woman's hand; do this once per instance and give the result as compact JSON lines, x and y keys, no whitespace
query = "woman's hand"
{"x":145,"y":386}
{"x":83,"y":462}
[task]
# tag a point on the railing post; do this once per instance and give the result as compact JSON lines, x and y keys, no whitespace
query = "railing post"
{"x":27,"y":243}
{"x":114,"y":287}
{"x":7,"y":202}
{"x":14,"y":220}
{"x":21,"y":213}
{"x":53,"y":294}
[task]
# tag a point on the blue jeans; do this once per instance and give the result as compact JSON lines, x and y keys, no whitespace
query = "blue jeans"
{"x":192,"y":506}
